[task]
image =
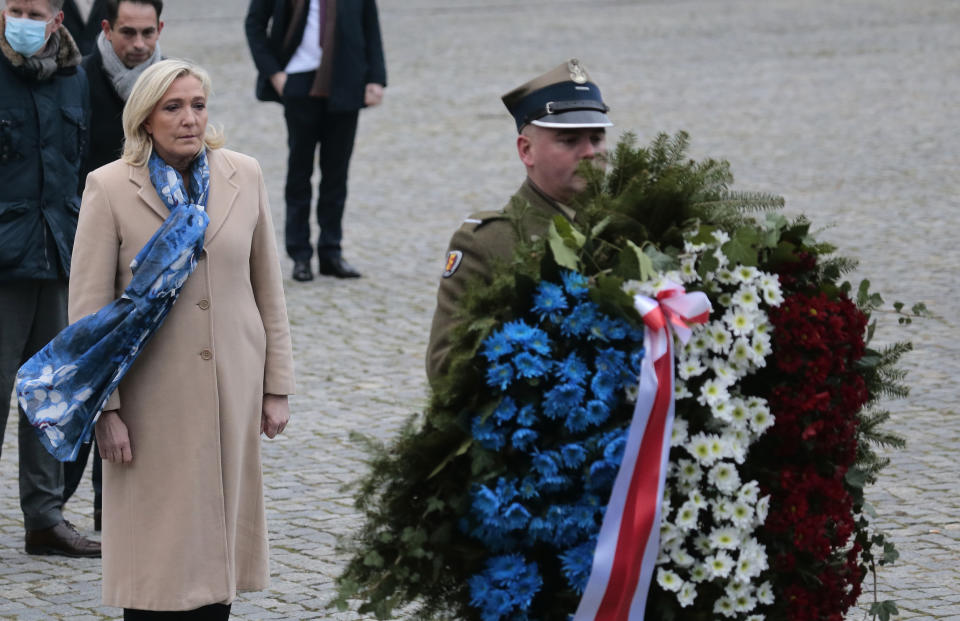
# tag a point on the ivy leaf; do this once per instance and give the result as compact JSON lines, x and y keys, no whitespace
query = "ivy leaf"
{"x":373,"y":559}
{"x":661,"y":262}
{"x":856,"y":478}
{"x":644,"y":263}
{"x":742,"y":247}
{"x":564,"y":241}
{"x":890,"y":555}
{"x":883,"y":610}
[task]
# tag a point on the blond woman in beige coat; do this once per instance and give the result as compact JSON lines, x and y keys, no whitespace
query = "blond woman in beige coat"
{"x":183,"y":513}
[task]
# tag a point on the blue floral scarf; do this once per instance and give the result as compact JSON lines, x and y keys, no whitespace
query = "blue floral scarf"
{"x":64,"y":386}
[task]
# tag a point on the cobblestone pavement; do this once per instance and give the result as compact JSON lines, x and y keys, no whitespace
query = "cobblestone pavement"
{"x":848,"y":109}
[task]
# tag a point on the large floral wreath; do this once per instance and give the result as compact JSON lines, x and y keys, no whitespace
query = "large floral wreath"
{"x":489,"y":506}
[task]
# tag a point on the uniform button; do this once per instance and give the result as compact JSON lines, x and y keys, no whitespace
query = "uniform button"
{"x":206,"y":354}
{"x":203,"y":304}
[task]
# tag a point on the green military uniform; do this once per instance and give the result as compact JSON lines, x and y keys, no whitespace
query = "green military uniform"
{"x":481,"y":240}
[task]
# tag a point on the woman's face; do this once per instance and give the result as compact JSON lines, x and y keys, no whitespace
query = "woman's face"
{"x":178,"y":122}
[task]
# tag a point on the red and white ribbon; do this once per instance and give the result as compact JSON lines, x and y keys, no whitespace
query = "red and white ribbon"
{"x":629,"y":539}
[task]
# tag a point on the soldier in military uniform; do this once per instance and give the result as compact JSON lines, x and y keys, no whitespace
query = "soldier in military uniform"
{"x":561,"y":121}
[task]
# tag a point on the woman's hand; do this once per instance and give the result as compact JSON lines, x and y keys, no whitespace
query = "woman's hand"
{"x":373,"y":94}
{"x":274,"y":415}
{"x":113,"y":438}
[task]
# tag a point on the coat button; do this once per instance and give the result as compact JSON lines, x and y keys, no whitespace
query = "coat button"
{"x":206,"y":354}
{"x":203,"y":304}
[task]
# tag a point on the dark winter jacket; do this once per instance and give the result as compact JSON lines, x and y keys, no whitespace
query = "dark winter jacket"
{"x":106,"y":127}
{"x":43,"y":137}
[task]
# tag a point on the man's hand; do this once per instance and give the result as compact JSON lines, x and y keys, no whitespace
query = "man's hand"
{"x":279,"y":80}
{"x":275,"y":414}
{"x":373,"y":94}
{"x":113,"y":438}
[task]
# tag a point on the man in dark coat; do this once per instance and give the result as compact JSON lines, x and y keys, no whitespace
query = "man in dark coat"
{"x":323,"y":60}
{"x":126,"y":46}
{"x":44,"y":115}
{"x":82,"y":18}
{"x":561,"y":120}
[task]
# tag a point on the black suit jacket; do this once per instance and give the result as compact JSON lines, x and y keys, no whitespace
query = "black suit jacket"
{"x":85,"y":34}
{"x":358,"y":57}
{"x":106,"y":124}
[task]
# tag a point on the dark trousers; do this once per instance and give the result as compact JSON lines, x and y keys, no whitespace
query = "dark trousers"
{"x":73,"y":474}
{"x":310,"y":123}
{"x":213,"y":612}
{"x":31,"y":313}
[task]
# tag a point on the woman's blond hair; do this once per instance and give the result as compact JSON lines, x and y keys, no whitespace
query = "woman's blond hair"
{"x":147,"y":92}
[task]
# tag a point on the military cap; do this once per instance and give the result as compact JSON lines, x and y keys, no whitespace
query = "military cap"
{"x":563,"y":97}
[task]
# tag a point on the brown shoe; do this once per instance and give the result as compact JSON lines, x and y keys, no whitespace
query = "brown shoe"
{"x":63,"y":540}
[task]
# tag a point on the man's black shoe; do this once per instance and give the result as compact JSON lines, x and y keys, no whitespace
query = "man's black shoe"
{"x":61,"y":539}
{"x":337,"y":267}
{"x":302,"y":271}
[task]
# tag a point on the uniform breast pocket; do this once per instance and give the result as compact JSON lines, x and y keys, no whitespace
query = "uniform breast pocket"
{"x":74,"y":133}
{"x":11,"y":135}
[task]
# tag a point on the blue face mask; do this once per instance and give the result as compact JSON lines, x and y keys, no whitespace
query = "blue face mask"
{"x":25,"y":36}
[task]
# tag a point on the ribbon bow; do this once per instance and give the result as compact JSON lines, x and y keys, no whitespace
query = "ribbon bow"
{"x":629,"y":539}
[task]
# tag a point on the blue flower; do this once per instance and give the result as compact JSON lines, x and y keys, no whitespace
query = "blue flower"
{"x":561,"y":399}
{"x":610,"y":361}
{"x":577,"y":563}
{"x":549,"y":299}
{"x":489,"y":437}
{"x":546,"y":464}
{"x":613,"y":452}
{"x":522,"y":438}
{"x":528,"y":489}
{"x":505,"y":588}
{"x":597,"y":412}
{"x":575,"y":284}
{"x":539,"y":342}
{"x":499,"y":375}
{"x":528,"y":365}
{"x":602,"y":475}
{"x":527,"y":415}
{"x":505,"y":411}
{"x":636,"y":361}
{"x":603,"y":386}
{"x":496,"y":345}
{"x":609,"y":329}
{"x":580,"y":320}
{"x":572,"y":369}
{"x":576,"y":419}
{"x":573,"y":455}
{"x":519,"y":332}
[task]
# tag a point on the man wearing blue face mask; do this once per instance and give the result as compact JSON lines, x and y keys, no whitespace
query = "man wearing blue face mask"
{"x":44,"y":115}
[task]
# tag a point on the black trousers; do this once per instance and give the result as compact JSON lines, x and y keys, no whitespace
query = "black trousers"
{"x":310,"y":123}
{"x":31,"y":313}
{"x":213,"y":612}
{"x":73,"y":474}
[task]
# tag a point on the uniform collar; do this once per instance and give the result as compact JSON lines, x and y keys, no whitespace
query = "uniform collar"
{"x":541,"y":201}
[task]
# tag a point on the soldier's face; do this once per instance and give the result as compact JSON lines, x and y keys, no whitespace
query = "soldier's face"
{"x":553,"y":155}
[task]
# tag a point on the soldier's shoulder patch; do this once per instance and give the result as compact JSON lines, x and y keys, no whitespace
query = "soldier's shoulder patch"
{"x":454,"y":257}
{"x":478,"y":219}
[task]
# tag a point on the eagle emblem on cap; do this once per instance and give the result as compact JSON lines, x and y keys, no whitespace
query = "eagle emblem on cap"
{"x":577,"y":74}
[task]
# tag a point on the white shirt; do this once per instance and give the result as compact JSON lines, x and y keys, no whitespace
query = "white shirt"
{"x":307,"y":56}
{"x":84,"y":7}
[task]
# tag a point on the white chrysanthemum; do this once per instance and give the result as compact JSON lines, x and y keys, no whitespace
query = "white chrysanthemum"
{"x":697,"y":499}
{"x":765,"y":593}
{"x":680,"y":557}
{"x":699,"y":573}
{"x":685,"y":487}
{"x":722,"y":260}
{"x":722,"y":509}
{"x":725,"y":299}
{"x":691,"y":367}
{"x":761,"y":419}
{"x":772,"y":293}
{"x":735,"y":588}
{"x":719,"y":338}
{"x":688,"y":471}
{"x":742,"y":516}
{"x":724,"y":606}
{"x":747,"y":273}
{"x":719,"y":565}
{"x":680,"y":390}
{"x":752,"y":560}
{"x":699,"y":342}
{"x":668,"y":580}
{"x":687,"y":594}
{"x":669,"y":534}
{"x":740,"y":320}
{"x":720,"y":237}
{"x":691,"y":248}
{"x":739,"y":414}
{"x":744,"y":603}
{"x":724,"y":477}
{"x":763,"y":507}
{"x":724,"y":538}
{"x":755,"y":618}
{"x":679,"y":433}
{"x":725,"y":276}
{"x":747,"y":297}
{"x":738,"y":441}
{"x":721,"y":411}
{"x":725,"y":371}
{"x":630,"y":392}
{"x":713,"y":391}
{"x":701,"y":543}
{"x":763,"y":327}
{"x":749,"y":492}
{"x":688,"y":269}
{"x":699,"y":447}
{"x":760,"y":344}
{"x":687,"y":516}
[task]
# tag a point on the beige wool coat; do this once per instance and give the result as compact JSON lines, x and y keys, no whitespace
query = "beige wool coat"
{"x":183,"y":524}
